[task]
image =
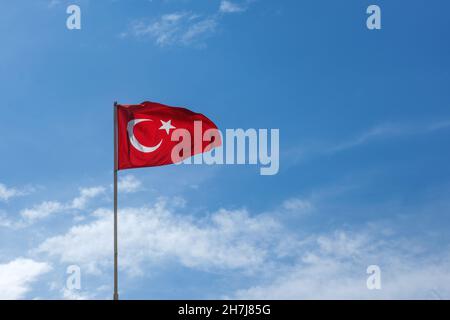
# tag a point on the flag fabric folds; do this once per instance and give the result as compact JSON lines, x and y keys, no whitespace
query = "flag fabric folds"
{"x":147,"y":134}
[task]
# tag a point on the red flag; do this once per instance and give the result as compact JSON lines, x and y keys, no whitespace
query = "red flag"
{"x":145,"y":135}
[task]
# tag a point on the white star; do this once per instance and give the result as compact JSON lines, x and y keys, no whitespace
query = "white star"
{"x":167,"y":125}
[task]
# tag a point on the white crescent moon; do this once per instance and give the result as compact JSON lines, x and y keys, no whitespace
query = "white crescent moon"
{"x":134,"y":142}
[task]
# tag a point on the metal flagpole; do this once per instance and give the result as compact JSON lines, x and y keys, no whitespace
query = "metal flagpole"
{"x":116,"y":287}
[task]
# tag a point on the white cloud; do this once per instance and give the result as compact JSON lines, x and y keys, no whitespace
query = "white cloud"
{"x":75,"y":294}
{"x":199,"y":30}
{"x":184,"y":28}
{"x":223,"y":240}
{"x":298,"y":205}
{"x":230,"y":7}
{"x":334,"y":267}
{"x":42,"y":210}
{"x":8,"y":193}
{"x":380,"y":132}
{"x":5,"y":221}
{"x":48,"y":208}
{"x":389,"y":130}
{"x":178,"y":28}
{"x":129,"y":184}
{"x":103,"y":292}
{"x":54,"y":3}
{"x":441,"y":125}
{"x":282,"y":264}
{"x":86,"y":194}
{"x":17,"y":276}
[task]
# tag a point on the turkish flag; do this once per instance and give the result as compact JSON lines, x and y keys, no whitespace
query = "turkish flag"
{"x":150,"y":134}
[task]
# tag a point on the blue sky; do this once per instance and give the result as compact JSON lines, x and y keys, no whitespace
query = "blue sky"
{"x":364,"y":128}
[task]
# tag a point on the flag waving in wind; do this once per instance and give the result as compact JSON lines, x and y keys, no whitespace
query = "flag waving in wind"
{"x":148,"y":135}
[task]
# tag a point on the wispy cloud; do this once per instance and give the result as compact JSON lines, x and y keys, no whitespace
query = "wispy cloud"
{"x":6,"y":222}
{"x":298,"y":205}
{"x":390,"y":130}
{"x":231,"y":7}
{"x":333,"y":266}
{"x":86,"y":194}
{"x":185,"y":28}
{"x":178,"y":28}
{"x":7,"y":193}
{"x":282,"y":262}
{"x":17,"y":276}
{"x":42,"y":210}
{"x":379,"y":132}
{"x":224,"y":240}
{"x":47,"y":208}
{"x":284,"y":265}
{"x":129,"y":184}
{"x":54,"y":3}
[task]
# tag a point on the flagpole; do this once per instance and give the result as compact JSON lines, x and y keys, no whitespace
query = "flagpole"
{"x":116,"y":284}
